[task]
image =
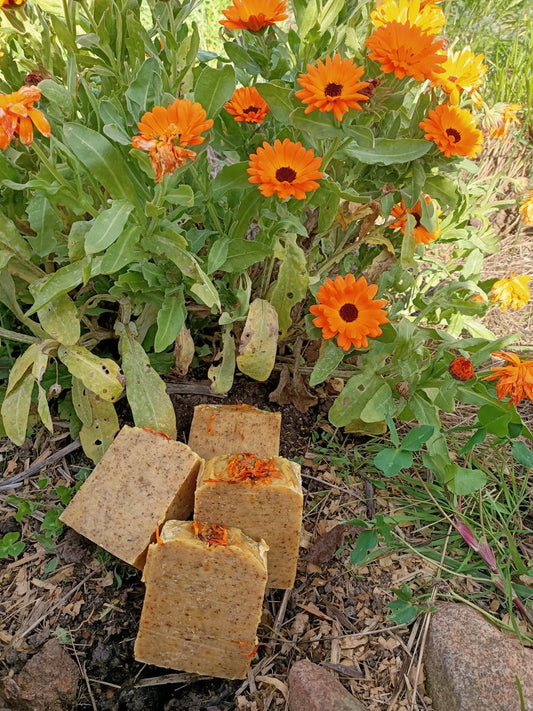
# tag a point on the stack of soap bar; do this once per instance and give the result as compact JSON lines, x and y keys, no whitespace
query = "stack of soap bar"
{"x":261,"y":496}
{"x":204,"y":594}
{"x":141,"y":481}
{"x":223,"y":429}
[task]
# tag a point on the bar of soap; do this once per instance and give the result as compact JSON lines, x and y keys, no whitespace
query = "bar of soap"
{"x":218,"y":430}
{"x":261,"y":496}
{"x":142,"y":480}
{"x":204,"y":596}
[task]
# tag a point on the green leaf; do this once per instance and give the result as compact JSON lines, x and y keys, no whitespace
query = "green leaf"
{"x":100,"y":375}
{"x":317,"y":124}
{"x":23,"y":363}
{"x":16,"y":409}
{"x":416,"y":437}
{"x":243,"y":253}
{"x":522,"y":454}
{"x":221,"y":376}
{"x":46,"y":224}
{"x":147,"y":396}
{"x":390,"y":151}
{"x":442,"y":189}
{"x":102,"y":161}
{"x":249,"y":209}
{"x":81,"y":402}
{"x":466,"y":481}
{"x":391,"y":461}
{"x":259,"y":341}
{"x":59,"y":318}
{"x":42,"y":408}
{"x":107,"y":227}
{"x":61,"y":282}
{"x":145,"y":90}
{"x":214,"y":87}
{"x":125,"y":250}
{"x":170,"y":319}
{"x":477,"y":438}
{"x":231,"y":177}
{"x":366,"y":541}
{"x":494,"y":419}
{"x":329,"y":360}
{"x":402,"y":612}
{"x":57,"y":95}
{"x":378,"y":404}
{"x":96,"y":437}
{"x":278,"y":98}
{"x":11,"y":239}
{"x":291,"y":285}
{"x":358,"y":391}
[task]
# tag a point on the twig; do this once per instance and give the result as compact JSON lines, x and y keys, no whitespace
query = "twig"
{"x":192,"y":389}
{"x":36,"y":468}
{"x":86,"y":678}
{"x":282,"y":610}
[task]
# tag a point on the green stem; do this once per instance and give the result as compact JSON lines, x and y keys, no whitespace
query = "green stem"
{"x":335,"y":259}
{"x":267,"y":273}
{"x":207,"y":197}
{"x":18,"y":337}
{"x":336,"y":145}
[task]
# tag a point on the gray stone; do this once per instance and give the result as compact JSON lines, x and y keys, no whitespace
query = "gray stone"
{"x":471,"y":665}
{"x":312,"y":688}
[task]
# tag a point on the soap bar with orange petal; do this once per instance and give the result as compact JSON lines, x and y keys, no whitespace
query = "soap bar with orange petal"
{"x":204,"y":596}
{"x":224,"y":429}
{"x":142,"y":480}
{"x":261,"y":496}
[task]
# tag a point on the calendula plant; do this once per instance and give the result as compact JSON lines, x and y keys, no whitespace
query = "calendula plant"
{"x":175,"y":195}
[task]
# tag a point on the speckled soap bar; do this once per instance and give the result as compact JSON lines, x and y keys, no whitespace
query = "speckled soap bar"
{"x":218,"y":430}
{"x":261,"y":496}
{"x":204,"y":596}
{"x":141,"y":481}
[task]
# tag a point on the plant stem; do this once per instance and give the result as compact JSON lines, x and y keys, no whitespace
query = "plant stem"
{"x":207,"y":197}
{"x":18,"y":337}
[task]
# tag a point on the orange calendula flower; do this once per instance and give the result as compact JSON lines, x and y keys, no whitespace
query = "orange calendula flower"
{"x":428,"y":17}
{"x":18,"y":117}
{"x":247,"y":105}
{"x":164,"y":133}
{"x":463,"y":71}
{"x":511,"y":293}
{"x":333,"y":86}
{"x":10,"y":4}
{"x":454,"y":131}
{"x":347,"y":309}
{"x":461,"y":369}
{"x":253,"y":15}
{"x":406,"y":50}
{"x":526,"y":209}
{"x":507,"y":119}
{"x":515,"y":379}
{"x":287,"y":169}
{"x":421,"y":234}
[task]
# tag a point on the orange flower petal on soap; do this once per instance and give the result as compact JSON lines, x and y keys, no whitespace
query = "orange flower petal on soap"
{"x":347,"y":309}
{"x":287,"y":169}
{"x":454,"y":131}
{"x":210,"y":534}
{"x":253,"y":15}
{"x":332,"y":86}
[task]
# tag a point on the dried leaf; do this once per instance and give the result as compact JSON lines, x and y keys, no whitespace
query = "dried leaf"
{"x":292,"y":390}
{"x":183,"y":351}
{"x":352,"y":672}
{"x":325,"y":546}
{"x":259,"y":341}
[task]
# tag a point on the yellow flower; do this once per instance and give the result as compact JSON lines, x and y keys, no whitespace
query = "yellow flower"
{"x":429,"y":18}
{"x":511,"y":293}
{"x":463,"y":71}
{"x":526,"y":209}
{"x":507,"y":118}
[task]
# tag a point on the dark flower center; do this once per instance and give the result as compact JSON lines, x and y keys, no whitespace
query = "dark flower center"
{"x":348,"y":312}
{"x":250,"y":110}
{"x":418,"y":219}
{"x":285,"y":174}
{"x":333,"y":89}
{"x":454,"y":134}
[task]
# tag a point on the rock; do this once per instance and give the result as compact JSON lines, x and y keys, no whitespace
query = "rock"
{"x":48,"y":682}
{"x":312,"y":688}
{"x":472,"y":665}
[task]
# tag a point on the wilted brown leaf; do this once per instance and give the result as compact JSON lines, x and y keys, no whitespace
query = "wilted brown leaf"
{"x":292,"y":390}
{"x":325,"y":546}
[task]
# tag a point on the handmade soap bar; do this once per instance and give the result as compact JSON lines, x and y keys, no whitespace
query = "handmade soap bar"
{"x":142,"y":480}
{"x":261,"y":496}
{"x":218,"y":430}
{"x":204,"y":595}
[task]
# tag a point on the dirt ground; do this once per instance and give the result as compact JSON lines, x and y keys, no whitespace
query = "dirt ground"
{"x":336,"y":615}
